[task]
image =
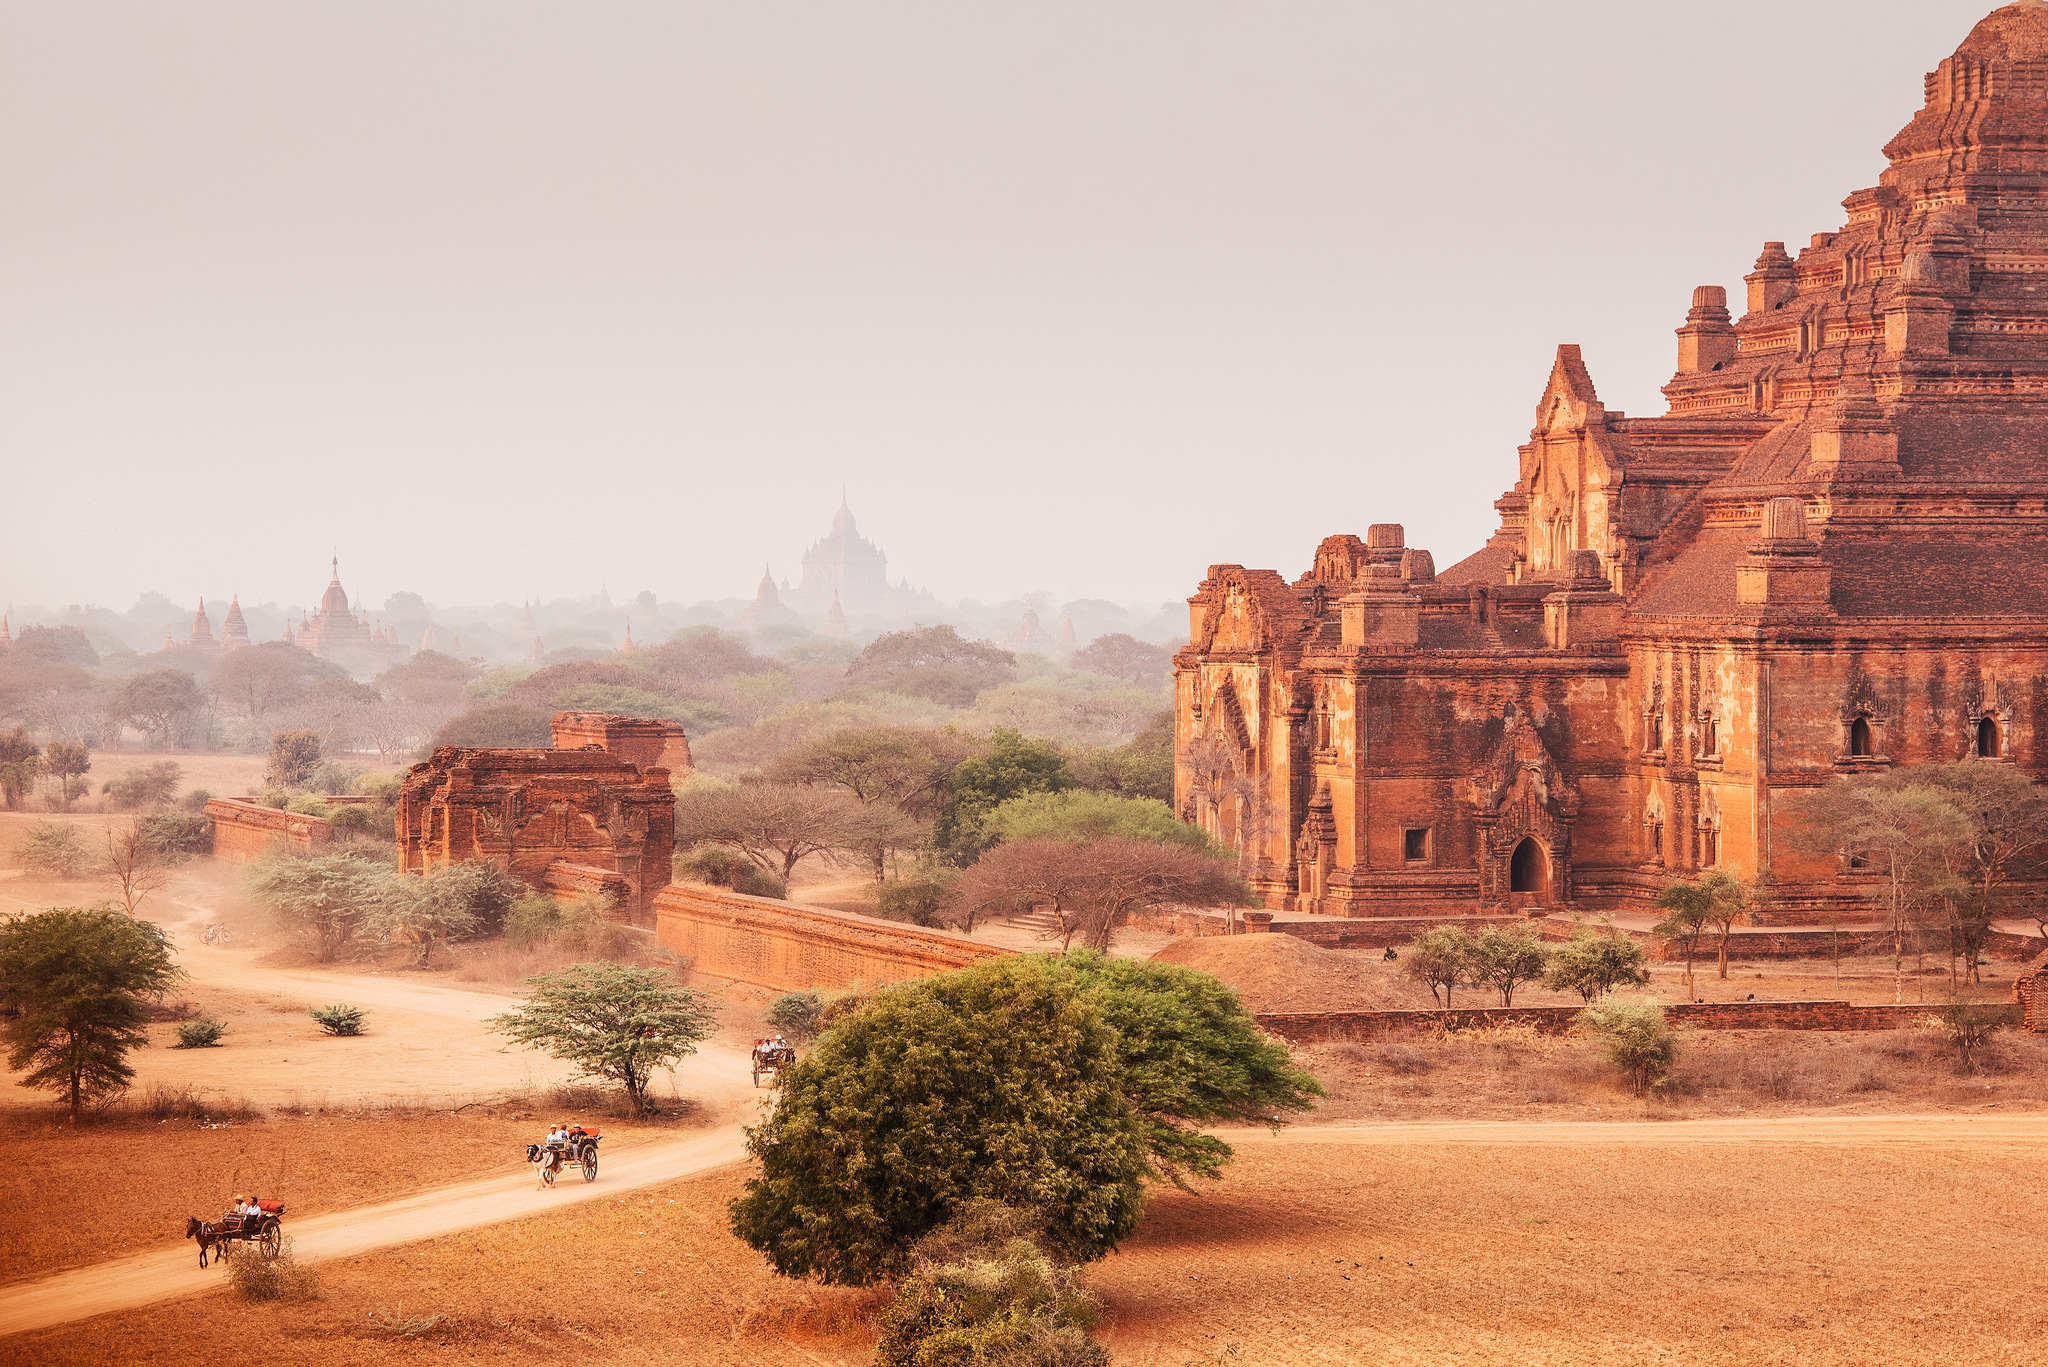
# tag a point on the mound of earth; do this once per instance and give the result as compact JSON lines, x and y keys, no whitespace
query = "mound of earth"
{"x":1286,"y":973}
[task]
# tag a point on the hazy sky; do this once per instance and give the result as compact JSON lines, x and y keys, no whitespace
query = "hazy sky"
{"x":508,"y":298}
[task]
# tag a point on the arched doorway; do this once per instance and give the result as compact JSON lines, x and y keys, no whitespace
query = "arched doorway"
{"x":1859,"y":738}
{"x":1528,"y":873}
{"x":1987,"y":738}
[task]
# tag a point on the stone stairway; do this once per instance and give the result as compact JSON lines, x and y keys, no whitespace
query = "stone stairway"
{"x":1037,"y":922}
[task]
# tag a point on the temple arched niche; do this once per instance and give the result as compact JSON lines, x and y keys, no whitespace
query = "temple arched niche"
{"x":1529,"y":870}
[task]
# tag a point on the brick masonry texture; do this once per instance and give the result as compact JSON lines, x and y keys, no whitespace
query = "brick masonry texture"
{"x":1828,"y":557}
{"x":2030,"y":994}
{"x":244,"y":831}
{"x":1334,"y":1027}
{"x":525,"y":810}
{"x":789,"y":946}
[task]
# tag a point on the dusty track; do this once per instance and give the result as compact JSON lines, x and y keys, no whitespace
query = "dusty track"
{"x":130,"y":1282}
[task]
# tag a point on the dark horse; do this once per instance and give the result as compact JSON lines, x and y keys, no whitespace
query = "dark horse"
{"x":210,"y":1236}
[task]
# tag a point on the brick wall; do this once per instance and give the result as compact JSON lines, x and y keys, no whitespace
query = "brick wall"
{"x":243,"y":831}
{"x":789,"y":946}
{"x":566,"y":882}
{"x":1329,"y":1027}
{"x":2030,"y":995}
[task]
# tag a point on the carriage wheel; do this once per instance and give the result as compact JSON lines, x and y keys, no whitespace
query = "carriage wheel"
{"x":757,"y":1075}
{"x":590,"y":1165}
{"x":271,"y":1241}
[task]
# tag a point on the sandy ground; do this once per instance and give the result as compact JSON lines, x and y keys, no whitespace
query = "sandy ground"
{"x":1815,"y":1241}
{"x":1823,"y":1240}
{"x":147,"y":1278}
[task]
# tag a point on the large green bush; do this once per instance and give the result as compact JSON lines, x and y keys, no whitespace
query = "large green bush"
{"x":995,"y":1082}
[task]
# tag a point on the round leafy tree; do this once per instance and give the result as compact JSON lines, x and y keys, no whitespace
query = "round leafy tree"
{"x":998,"y":1081}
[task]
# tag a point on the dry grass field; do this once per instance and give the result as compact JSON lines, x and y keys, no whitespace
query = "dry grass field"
{"x":1283,"y":973}
{"x":1517,"y":1074}
{"x":1816,"y":1242}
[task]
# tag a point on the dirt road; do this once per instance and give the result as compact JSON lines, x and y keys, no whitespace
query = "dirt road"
{"x":131,"y":1282}
{"x":143,"y":1280}
{"x":425,"y":1043}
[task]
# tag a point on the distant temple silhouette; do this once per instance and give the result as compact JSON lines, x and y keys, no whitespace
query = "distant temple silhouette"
{"x":847,"y":568}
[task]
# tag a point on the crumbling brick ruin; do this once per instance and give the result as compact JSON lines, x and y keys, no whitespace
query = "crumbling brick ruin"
{"x":579,"y":817}
{"x":1829,"y":557}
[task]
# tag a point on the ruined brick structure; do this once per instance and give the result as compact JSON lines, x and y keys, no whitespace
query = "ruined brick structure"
{"x":1828,"y":557}
{"x":643,"y":741}
{"x":579,"y":817}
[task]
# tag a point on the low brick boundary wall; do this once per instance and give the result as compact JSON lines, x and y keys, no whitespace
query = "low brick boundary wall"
{"x":245,"y":831}
{"x":790,"y":946}
{"x":1333,"y":1027}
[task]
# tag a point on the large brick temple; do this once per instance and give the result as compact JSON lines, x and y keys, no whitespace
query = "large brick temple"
{"x":1827,"y":558}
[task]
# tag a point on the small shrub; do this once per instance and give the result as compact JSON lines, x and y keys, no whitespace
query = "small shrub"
{"x":55,"y":849}
{"x":257,"y":1278}
{"x":383,"y":787}
{"x":1405,"y":1060}
{"x":722,"y":868}
{"x":177,"y":836}
{"x":584,"y":928}
{"x":355,"y":818}
{"x":1636,"y":1037}
{"x":794,"y":1015}
{"x":587,"y":931}
{"x":339,"y":1019}
{"x":398,"y":1323}
{"x":918,"y":901}
{"x":305,"y":804}
{"x":986,"y":1290}
{"x":334,"y":777}
{"x":532,"y":921}
{"x":195,"y":801}
{"x":1968,"y":1026}
{"x":203,"y":1033}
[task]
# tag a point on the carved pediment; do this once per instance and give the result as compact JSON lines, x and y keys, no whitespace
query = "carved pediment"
{"x":1862,"y":699}
{"x":1521,"y":772}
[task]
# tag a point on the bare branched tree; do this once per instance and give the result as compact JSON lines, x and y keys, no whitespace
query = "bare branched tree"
{"x":777,"y":825}
{"x":136,"y":864}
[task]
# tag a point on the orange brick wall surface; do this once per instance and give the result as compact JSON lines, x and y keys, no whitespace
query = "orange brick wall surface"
{"x":789,"y":946}
{"x":243,"y":831}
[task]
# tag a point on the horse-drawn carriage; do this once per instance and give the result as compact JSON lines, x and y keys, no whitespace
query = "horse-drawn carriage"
{"x":266,"y":1231}
{"x":771,"y":1056}
{"x":579,"y":1150}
